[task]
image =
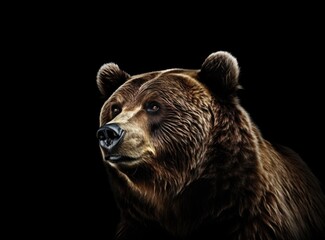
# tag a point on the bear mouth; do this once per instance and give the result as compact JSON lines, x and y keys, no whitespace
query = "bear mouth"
{"x":115,"y":158}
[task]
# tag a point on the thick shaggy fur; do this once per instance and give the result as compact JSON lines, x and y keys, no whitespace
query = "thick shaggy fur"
{"x":195,"y":165}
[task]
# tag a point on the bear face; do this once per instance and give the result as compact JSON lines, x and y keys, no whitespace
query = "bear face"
{"x":184,"y":158}
{"x":170,"y":132}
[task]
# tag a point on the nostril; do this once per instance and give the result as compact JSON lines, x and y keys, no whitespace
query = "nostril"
{"x":101,"y":134}
{"x":111,"y":134}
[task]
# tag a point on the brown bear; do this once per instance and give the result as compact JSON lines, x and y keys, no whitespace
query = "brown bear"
{"x":185,"y":160}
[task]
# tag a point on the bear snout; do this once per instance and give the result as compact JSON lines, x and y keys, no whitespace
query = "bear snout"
{"x":109,"y":136}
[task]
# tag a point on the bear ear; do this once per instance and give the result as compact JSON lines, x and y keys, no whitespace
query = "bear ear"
{"x":219,"y":72}
{"x":109,"y":78}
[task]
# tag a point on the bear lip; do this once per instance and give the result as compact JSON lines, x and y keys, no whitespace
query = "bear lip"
{"x":118,"y":158}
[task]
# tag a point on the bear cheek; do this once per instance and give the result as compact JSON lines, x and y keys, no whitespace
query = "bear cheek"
{"x":136,"y":143}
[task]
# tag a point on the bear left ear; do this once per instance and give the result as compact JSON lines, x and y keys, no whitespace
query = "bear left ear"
{"x":109,"y":78}
{"x":219,"y":72}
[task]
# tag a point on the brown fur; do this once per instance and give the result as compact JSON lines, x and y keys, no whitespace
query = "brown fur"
{"x":200,"y":168}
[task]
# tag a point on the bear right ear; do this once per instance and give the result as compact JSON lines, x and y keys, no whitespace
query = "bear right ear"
{"x":219,"y":72}
{"x":109,"y":78}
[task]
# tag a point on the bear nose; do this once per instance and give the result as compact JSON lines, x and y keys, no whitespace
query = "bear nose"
{"x":110,"y":135}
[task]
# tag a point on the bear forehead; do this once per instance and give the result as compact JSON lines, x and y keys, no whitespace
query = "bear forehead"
{"x":168,"y":72}
{"x":162,"y":81}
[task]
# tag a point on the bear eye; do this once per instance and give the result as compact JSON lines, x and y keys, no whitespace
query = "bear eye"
{"x":115,"y":110}
{"x":152,"y":107}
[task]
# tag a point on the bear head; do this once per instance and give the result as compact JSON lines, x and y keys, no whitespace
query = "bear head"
{"x":161,"y":121}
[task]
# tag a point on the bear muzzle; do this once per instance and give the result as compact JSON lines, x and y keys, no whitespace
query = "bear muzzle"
{"x":109,"y":136}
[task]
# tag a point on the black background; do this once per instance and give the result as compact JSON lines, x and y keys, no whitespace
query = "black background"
{"x":66,"y":190}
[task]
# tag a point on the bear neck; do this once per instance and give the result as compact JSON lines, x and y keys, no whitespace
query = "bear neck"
{"x":231,"y":180}
{"x":227,"y":184}
{"x":236,"y":159}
